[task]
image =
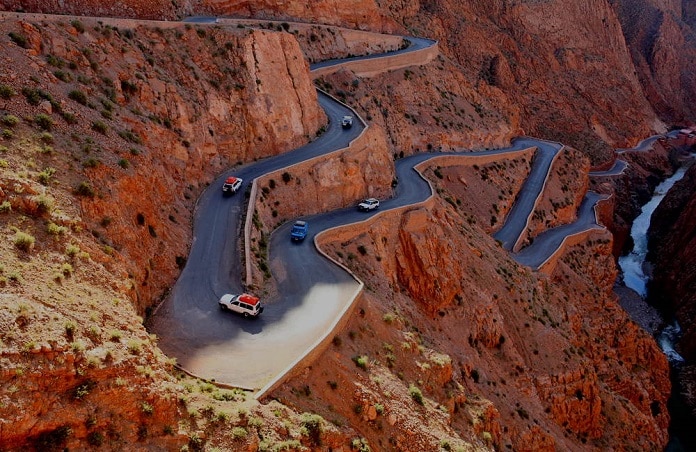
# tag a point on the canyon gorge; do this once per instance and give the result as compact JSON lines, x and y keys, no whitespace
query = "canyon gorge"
{"x":116,"y":117}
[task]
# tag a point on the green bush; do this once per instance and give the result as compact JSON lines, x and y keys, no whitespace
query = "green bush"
{"x":63,"y":76}
{"x":78,"y":26}
{"x":124,"y":163}
{"x":44,"y":203}
{"x":5,"y":207}
{"x":32,"y":95}
{"x":360,"y":361}
{"x":85,"y":189}
{"x":6,"y":91}
{"x":91,"y":163}
{"x":312,"y":424}
{"x":416,"y":394}
{"x":24,"y":241}
{"x":78,"y":96}
{"x":43,"y":121}
{"x":55,"y":61}
{"x":55,"y":229}
{"x":19,"y":39}
{"x":100,"y":126}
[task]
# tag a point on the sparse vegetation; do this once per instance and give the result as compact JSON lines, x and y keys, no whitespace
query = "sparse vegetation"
{"x":78,"y":96}
{"x":43,"y":121}
{"x":24,"y":241}
{"x":416,"y":394}
{"x":361,"y":361}
{"x":100,"y":126}
{"x":10,"y":120}
{"x":6,"y":91}
{"x":19,"y":39}
{"x":85,"y":189}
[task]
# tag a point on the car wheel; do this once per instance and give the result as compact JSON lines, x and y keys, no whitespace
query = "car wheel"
{"x":246,"y":314}
{"x":223,"y":307}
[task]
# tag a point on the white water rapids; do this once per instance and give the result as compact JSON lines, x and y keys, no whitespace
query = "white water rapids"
{"x":632,"y":264}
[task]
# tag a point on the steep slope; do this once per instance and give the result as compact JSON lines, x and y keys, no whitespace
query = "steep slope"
{"x":580,"y":73}
{"x":487,"y":353}
{"x":673,"y":257}
{"x":155,"y":119}
{"x":107,"y":139}
{"x":661,"y":36}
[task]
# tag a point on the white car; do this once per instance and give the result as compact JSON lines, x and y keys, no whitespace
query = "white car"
{"x":231,"y":186}
{"x":368,"y":204}
{"x":347,"y":122}
{"x":245,"y":304}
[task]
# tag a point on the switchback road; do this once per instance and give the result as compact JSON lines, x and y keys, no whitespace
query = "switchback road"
{"x":313,"y":291}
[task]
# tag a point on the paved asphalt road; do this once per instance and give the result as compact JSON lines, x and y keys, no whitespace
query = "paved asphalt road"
{"x":313,"y":291}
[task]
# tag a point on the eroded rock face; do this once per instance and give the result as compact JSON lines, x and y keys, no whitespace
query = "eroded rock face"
{"x":360,"y":14}
{"x":672,"y":247}
{"x":140,"y":119}
{"x":148,"y":9}
{"x":259,"y":102}
{"x":527,"y":345}
{"x":656,"y":32}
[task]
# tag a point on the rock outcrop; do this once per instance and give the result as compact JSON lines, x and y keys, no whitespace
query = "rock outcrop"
{"x":526,"y":345}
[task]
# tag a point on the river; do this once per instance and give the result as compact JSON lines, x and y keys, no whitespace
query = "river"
{"x":633,"y":265}
{"x":636,"y":277}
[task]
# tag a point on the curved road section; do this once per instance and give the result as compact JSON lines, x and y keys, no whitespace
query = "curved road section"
{"x":314,"y":292}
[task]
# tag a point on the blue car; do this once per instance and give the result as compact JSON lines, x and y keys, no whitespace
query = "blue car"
{"x":299,"y":231}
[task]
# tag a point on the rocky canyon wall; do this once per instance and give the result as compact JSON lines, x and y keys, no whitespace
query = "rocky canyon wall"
{"x":111,"y":129}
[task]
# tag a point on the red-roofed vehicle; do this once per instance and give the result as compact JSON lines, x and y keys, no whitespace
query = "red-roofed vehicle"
{"x":231,"y":186}
{"x":245,"y":304}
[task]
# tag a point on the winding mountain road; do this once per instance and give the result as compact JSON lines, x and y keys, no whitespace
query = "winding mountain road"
{"x":314,"y":292}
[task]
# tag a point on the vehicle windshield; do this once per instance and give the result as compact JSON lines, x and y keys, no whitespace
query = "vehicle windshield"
{"x":297,"y":229}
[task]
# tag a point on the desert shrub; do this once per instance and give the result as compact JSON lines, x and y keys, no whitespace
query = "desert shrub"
{"x":360,"y":445}
{"x":78,"y":26}
{"x":55,"y":61}
{"x":124,"y":163}
{"x":147,"y":408}
{"x":100,"y":126}
{"x":130,"y":136}
{"x":24,"y":241}
{"x":5,"y":207}
{"x":416,"y":394}
{"x":6,"y":91}
{"x":7,"y":134}
{"x":91,"y":163}
{"x":70,"y":118}
{"x":63,"y":76}
{"x":134,"y":346}
{"x":32,"y":95}
{"x":66,"y":269}
{"x":78,"y":96}
{"x":85,"y":189}
{"x":360,"y":361}
{"x":19,"y":39}
{"x":10,"y":120}
{"x":44,"y":204}
{"x":44,"y":176}
{"x":43,"y":121}
{"x":312,"y":424}
{"x":72,"y":250}
{"x":55,"y":229}
{"x":239,"y":432}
